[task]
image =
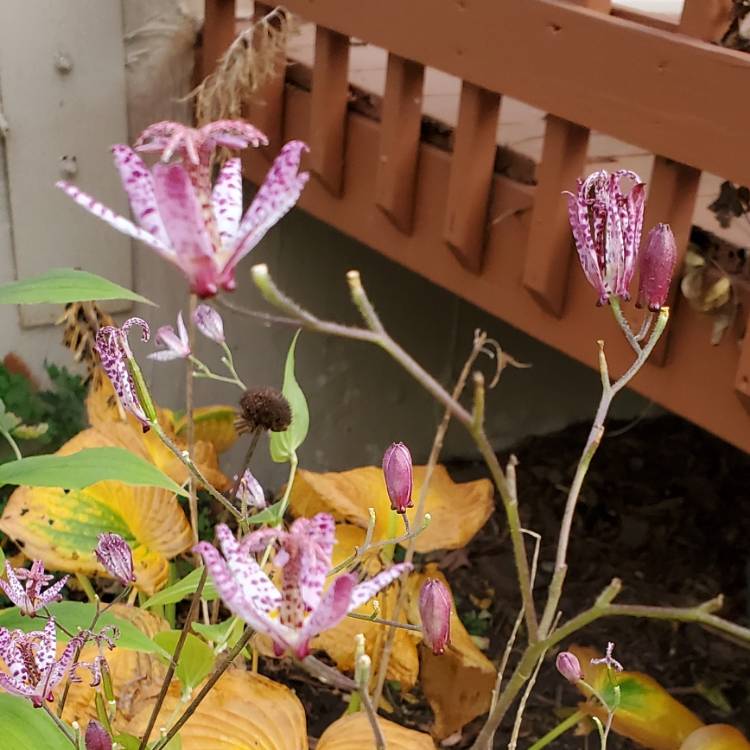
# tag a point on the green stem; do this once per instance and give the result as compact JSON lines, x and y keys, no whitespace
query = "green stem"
{"x":284,"y":505}
{"x":88,"y":589}
{"x":559,"y":730}
{"x":11,"y":442}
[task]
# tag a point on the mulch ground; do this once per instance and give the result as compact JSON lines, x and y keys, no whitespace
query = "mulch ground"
{"x":666,"y":509}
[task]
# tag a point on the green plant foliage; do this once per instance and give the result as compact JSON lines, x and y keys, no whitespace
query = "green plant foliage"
{"x":62,"y":285}
{"x":196,"y":659}
{"x":27,"y":728}
{"x":181,"y":590}
{"x":74,"y":615}
{"x":84,"y":468}
{"x":284,"y":444}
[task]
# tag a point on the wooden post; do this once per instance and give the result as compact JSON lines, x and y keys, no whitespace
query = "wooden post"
{"x":472,"y":167}
{"x":399,"y":141}
{"x":218,"y":32}
{"x":330,"y":93}
{"x":706,"y":19}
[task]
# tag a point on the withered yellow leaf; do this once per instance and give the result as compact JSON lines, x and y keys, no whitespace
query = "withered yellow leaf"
{"x":458,"y":684}
{"x":353,"y":732}
{"x":244,"y":711}
{"x":338,"y":642}
{"x":61,"y":528}
{"x":716,"y":737}
{"x":136,"y":677}
{"x":213,"y":424}
{"x":458,"y":511}
{"x":647,"y":713}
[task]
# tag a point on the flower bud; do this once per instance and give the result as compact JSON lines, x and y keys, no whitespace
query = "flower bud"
{"x":97,"y":737}
{"x":435,"y":613}
{"x":397,"y":471}
{"x":249,"y":491}
{"x":115,"y":556}
{"x":656,"y":267}
{"x":569,"y":667}
{"x":209,"y":323}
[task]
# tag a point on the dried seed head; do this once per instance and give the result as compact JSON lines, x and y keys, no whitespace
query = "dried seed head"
{"x":264,"y":408}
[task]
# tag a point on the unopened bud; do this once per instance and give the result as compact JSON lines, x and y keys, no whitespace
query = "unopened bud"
{"x":397,"y":472}
{"x":209,"y":323}
{"x":97,"y":737}
{"x":115,"y":556}
{"x":569,"y":667}
{"x":656,"y":267}
{"x":435,"y":613}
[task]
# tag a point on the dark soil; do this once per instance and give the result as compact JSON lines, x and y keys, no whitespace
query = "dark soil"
{"x":666,"y":509}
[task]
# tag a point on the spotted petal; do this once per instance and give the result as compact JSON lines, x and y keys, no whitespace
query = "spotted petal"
{"x":332,"y":609}
{"x":364,"y":591}
{"x":227,"y":201}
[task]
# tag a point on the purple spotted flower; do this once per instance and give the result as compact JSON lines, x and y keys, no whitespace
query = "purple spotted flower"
{"x":115,"y":556}
{"x":209,"y":323}
{"x":33,"y":667}
{"x":34,"y":595}
{"x":121,"y":368}
{"x":177,"y":344}
{"x":299,"y":611}
{"x":607,"y":227}
{"x":197,"y":226}
{"x":608,"y":660}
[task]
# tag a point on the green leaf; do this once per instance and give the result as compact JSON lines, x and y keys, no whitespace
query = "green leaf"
{"x":62,"y":285}
{"x":270,"y":515}
{"x":84,"y":468}
{"x":2,"y":562}
{"x":74,"y":615}
{"x":227,"y":632}
{"x":284,"y":444}
{"x":128,"y":741}
{"x":27,"y":728}
{"x":181,"y":590}
{"x":196,"y":659}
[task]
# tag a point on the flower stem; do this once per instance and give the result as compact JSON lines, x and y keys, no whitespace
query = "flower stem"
{"x":11,"y":442}
{"x":559,"y":730}
{"x":61,"y":725}
{"x":190,"y":421}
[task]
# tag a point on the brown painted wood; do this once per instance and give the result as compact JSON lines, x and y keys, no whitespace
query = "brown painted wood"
{"x":602,"y":6}
{"x":330,"y":92}
{"x":646,"y":90}
{"x":706,"y":19}
{"x":400,"y":125}
{"x":680,"y":386}
{"x":218,"y":32}
{"x":472,"y":167}
{"x":551,"y":249}
{"x":266,"y":107}
{"x":672,"y":192}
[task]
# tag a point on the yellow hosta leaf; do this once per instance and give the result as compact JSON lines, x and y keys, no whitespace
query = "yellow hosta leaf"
{"x":213,"y":424}
{"x":716,"y":737}
{"x":458,"y":510}
{"x":647,"y":714}
{"x":338,"y":642}
{"x":244,"y":711}
{"x":136,"y":677}
{"x":354,"y":732}
{"x":61,"y":528}
{"x":458,"y":684}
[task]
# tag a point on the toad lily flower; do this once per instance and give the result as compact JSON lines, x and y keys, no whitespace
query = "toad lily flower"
{"x":122,"y":369}
{"x":31,"y":598}
{"x":34,"y":670}
{"x":177,"y":344}
{"x":179,"y":214}
{"x":301,"y":610}
{"x":607,"y":229}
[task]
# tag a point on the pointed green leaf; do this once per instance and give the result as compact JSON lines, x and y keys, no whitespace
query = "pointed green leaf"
{"x":270,"y":515}
{"x":84,"y":468}
{"x":284,"y":444}
{"x":196,"y":659}
{"x":74,"y":615}
{"x":62,"y":285}
{"x":27,"y":728}
{"x":181,"y":590}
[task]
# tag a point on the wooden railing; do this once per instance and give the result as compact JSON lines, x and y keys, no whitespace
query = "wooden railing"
{"x":504,"y":245}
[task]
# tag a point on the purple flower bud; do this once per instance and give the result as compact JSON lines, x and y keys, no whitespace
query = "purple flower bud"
{"x":209,"y":323}
{"x":97,"y":737}
{"x":435,"y":613}
{"x":115,"y":556}
{"x":569,"y":667}
{"x":656,"y":267}
{"x":397,"y":471}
